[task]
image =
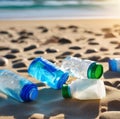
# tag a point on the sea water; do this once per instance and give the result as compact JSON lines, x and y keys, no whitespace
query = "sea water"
{"x":53,"y":9}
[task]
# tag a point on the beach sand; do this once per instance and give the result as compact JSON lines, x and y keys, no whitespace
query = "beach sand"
{"x":94,"y":39}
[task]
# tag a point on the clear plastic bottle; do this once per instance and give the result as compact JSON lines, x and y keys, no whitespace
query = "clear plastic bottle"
{"x":47,"y":72}
{"x":17,"y":87}
{"x":82,"y":68}
{"x":84,"y":89}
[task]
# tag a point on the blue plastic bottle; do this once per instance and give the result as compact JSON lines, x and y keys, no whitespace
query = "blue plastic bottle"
{"x":47,"y":72}
{"x":17,"y":87}
{"x":114,"y":64}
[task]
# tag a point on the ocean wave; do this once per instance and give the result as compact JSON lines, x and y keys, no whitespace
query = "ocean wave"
{"x":25,"y":4}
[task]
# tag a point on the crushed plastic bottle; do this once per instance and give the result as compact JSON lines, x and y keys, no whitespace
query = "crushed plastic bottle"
{"x":47,"y":72}
{"x":82,"y":68}
{"x":84,"y":89}
{"x":17,"y":87}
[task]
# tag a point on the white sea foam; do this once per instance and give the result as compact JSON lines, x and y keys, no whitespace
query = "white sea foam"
{"x":54,"y":9}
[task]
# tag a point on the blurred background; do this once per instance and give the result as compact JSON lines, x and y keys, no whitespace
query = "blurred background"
{"x":59,"y":9}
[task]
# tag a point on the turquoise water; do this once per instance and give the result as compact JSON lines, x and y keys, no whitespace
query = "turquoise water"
{"x":40,"y":4}
{"x":51,"y":9}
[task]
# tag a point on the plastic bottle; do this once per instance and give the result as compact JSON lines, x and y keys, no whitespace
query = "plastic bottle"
{"x":114,"y":64}
{"x":84,"y":89}
{"x":17,"y":87}
{"x":47,"y":72}
{"x":82,"y":68}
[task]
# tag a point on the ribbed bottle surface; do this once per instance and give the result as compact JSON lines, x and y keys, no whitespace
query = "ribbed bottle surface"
{"x":47,"y":72}
{"x":82,"y":68}
{"x":12,"y":84}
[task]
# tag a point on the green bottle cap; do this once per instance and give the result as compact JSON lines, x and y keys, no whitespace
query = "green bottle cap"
{"x":95,"y":71}
{"x":66,"y":91}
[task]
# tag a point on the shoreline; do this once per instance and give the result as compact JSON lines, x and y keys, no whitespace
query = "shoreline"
{"x":98,"y":23}
{"x":63,"y":18}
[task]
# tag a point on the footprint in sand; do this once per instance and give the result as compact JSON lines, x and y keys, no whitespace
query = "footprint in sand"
{"x":90,"y":51}
{"x":64,"y":54}
{"x":31,"y":47}
{"x":75,"y":48}
{"x":93,"y":43}
{"x":39,"y":52}
{"x":51,"y":50}
{"x":105,"y":59}
{"x":4,"y":48}
{"x":15,"y":50}
{"x":19,"y":65}
{"x":104,"y":49}
{"x":77,"y":55}
{"x":43,"y":29}
{"x":116,"y":53}
{"x":10,"y":56}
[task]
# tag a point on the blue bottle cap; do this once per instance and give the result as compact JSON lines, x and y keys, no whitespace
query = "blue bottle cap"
{"x":29,"y":92}
{"x":112,"y":64}
{"x":62,"y":80}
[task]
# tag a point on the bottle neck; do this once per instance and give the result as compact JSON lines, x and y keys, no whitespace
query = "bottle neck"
{"x":62,"y":80}
{"x":66,"y":91}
